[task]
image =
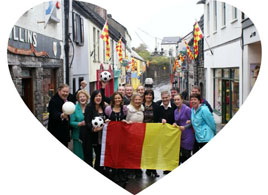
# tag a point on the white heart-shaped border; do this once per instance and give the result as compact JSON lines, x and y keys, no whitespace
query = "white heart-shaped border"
{"x":33,"y":162}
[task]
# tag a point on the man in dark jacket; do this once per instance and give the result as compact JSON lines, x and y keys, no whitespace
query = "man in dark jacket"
{"x":167,"y":108}
{"x":58,"y":122}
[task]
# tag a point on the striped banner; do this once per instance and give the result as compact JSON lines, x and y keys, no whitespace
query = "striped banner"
{"x":140,"y":146}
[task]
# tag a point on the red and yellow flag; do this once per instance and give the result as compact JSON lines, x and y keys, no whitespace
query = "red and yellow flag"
{"x":176,"y":64}
{"x":181,"y":58}
{"x":105,"y":37}
{"x":140,"y":146}
{"x":189,"y":52}
{"x":119,"y":50}
{"x":197,"y":36}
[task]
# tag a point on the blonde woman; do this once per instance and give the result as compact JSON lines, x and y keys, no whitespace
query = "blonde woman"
{"x":77,"y":121}
{"x":135,"y":114}
{"x":135,"y":109}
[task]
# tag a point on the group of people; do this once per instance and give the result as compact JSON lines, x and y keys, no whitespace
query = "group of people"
{"x":194,"y":118}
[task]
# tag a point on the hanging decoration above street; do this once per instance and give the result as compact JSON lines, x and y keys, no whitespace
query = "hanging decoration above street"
{"x":197,"y":36}
{"x":176,"y":64}
{"x":181,"y":58}
{"x":189,"y":52}
{"x":105,"y":36}
{"x":119,"y":50}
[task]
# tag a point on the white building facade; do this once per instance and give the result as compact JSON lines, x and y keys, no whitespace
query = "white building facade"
{"x":227,"y":83}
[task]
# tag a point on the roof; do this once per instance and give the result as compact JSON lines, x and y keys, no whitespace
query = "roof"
{"x":84,"y":9}
{"x":136,"y":55}
{"x":170,"y":40}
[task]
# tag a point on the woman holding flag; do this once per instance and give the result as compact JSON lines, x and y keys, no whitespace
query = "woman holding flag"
{"x":117,"y":111}
{"x":151,"y":115}
{"x":182,"y":114}
{"x":135,"y":114}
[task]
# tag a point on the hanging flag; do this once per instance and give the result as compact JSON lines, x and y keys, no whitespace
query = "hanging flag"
{"x":119,"y":50}
{"x":105,"y":37}
{"x":181,"y":58}
{"x":133,"y":64}
{"x":176,"y":64}
{"x":140,"y":146}
{"x":189,"y":52}
{"x":197,"y":36}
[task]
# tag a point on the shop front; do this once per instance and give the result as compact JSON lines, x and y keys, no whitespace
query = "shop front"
{"x":226,"y":92}
{"x":36,"y":68}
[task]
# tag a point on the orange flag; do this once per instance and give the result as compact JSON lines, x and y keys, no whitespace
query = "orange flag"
{"x":105,"y":37}
{"x":119,"y":50}
{"x":197,"y":36}
{"x":189,"y":52}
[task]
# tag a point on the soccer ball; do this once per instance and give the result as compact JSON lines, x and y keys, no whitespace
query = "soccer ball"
{"x":105,"y":76}
{"x":68,"y":108}
{"x":97,"y":122}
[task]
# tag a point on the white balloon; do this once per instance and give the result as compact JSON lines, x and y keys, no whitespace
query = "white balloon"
{"x":68,"y":108}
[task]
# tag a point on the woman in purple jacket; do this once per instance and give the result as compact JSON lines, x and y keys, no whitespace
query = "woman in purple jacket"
{"x":182,"y":114}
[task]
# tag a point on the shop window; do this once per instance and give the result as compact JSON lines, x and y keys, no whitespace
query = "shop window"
{"x":226,"y":92}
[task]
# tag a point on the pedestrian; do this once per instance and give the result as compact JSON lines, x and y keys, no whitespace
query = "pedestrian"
{"x":141,"y":90}
{"x":58,"y":122}
{"x":121,"y":89}
{"x":166,"y":112}
{"x":182,"y":114}
{"x":151,"y":115}
{"x":135,"y":114}
{"x":174,"y":91}
{"x":128,"y":95}
{"x":77,"y":121}
{"x":196,"y":90}
{"x":166,"y":108}
{"x":117,"y":111}
{"x":90,"y":136}
{"x":202,"y":121}
{"x":184,"y":95}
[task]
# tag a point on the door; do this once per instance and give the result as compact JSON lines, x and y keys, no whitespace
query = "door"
{"x":27,"y":93}
{"x":226,"y":101}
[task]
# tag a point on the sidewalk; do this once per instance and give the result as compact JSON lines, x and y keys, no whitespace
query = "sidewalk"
{"x":217,"y":119}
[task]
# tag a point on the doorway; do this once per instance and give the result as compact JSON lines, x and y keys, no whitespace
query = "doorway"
{"x":27,"y":92}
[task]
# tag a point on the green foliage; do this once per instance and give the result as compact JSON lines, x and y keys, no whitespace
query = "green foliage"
{"x":160,"y":60}
{"x":155,"y":60}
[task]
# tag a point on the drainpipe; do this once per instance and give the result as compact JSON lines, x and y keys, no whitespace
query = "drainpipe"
{"x":66,"y":40}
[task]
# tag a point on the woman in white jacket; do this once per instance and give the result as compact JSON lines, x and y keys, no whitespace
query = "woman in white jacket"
{"x":135,"y":114}
{"x":135,"y":109}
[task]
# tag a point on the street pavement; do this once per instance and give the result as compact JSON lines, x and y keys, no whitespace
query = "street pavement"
{"x":134,"y":186}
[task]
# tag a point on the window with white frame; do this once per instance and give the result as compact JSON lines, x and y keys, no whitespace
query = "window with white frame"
{"x":234,"y":13}
{"x":208,"y":19}
{"x":98,"y":45}
{"x":215,"y":16}
{"x":104,"y":51}
{"x":94,"y":44}
{"x":78,"y":29}
{"x":223,"y":14}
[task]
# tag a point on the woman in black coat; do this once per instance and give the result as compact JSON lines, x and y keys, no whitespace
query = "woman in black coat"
{"x":58,"y":122}
{"x":90,"y":136}
{"x":151,"y":115}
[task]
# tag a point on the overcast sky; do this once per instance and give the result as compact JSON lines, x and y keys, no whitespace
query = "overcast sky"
{"x":146,"y":19}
